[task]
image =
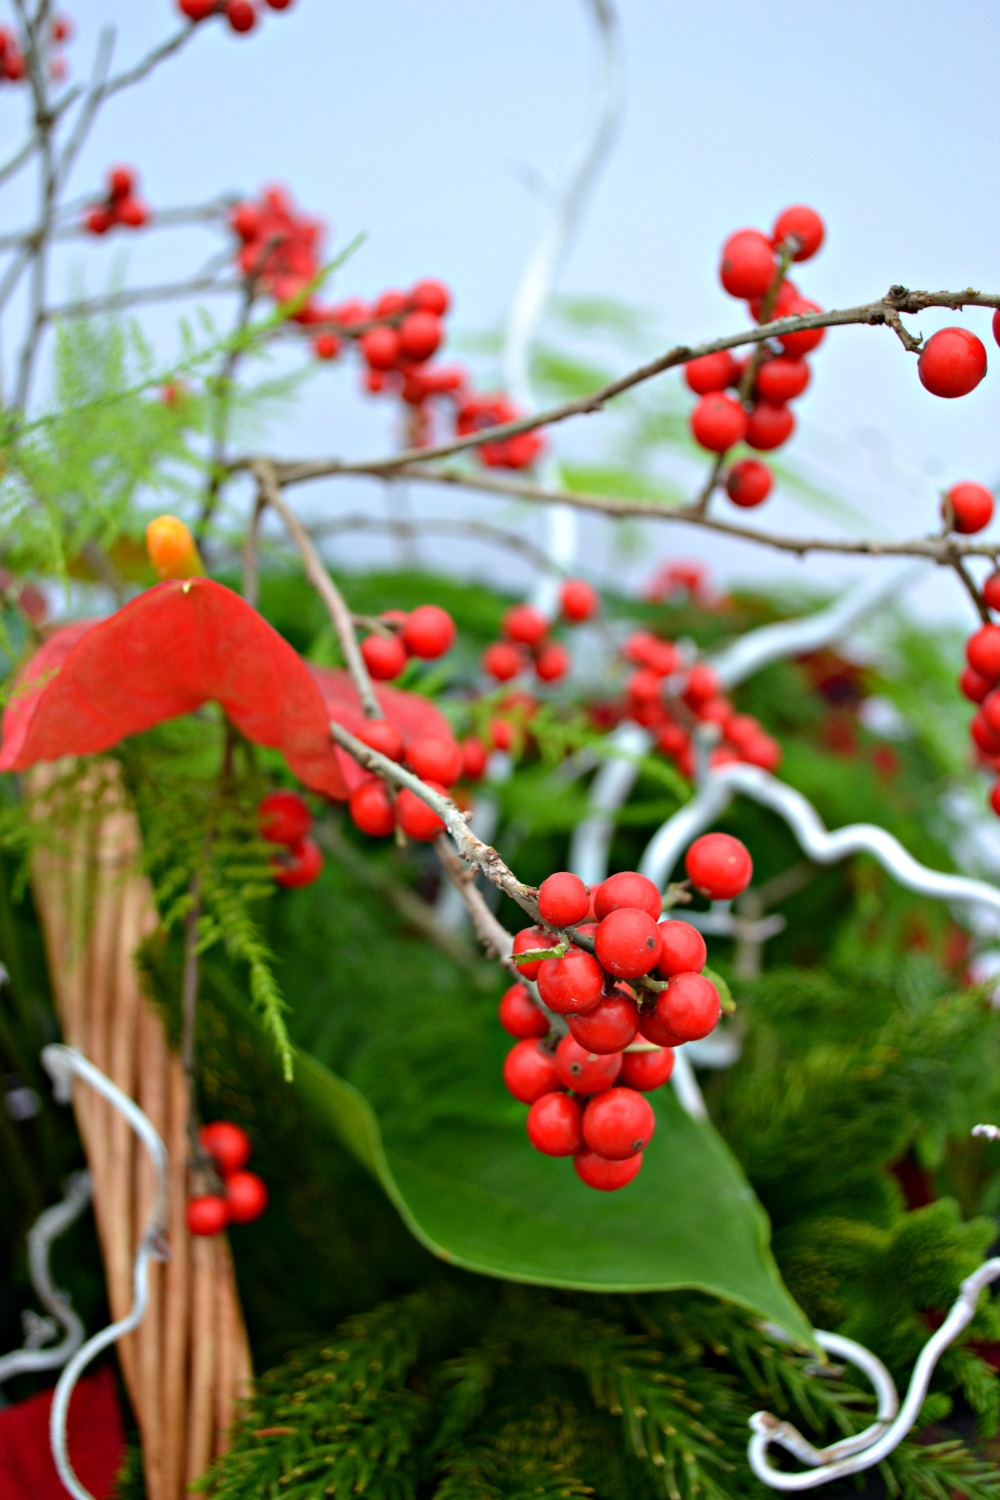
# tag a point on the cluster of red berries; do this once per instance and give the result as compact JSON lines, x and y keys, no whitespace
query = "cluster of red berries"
{"x":119,"y":204}
{"x":244,"y":1195}
{"x":527,"y":640}
{"x":279,"y":247}
{"x":670,"y":699}
{"x":437,"y":760}
{"x":427,"y":632}
{"x":980,"y":683}
{"x":13,"y":67}
{"x":284,"y":818}
{"x":242,"y":15}
{"x":953,"y":361}
{"x":765,"y":381}
{"x":624,"y":973}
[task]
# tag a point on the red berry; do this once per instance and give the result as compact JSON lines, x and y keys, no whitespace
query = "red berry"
{"x":996,"y":326}
{"x":986,"y":738}
{"x":300,"y":865}
{"x":121,"y":180}
{"x":61,"y":29}
{"x":609,"y":1027}
{"x":520,"y":1016}
{"x":951,"y":363}
{"x":246,"y":1197}
{"x":646,"y":1071}
{"x":654,"y":1030}
{"x":971,"y":507}
{"x":326,"y":346}
{"x":431,"y":296}
{"x":683,"y":950}
{"x":982,"y":652}
{"x":380,"y":347}
{"x":554,"y":1125}
{"x":702,"y":685}
{"x":132,"y":213}
{"x":748,"y":482}
{"x":788,"y":293}
{"x":781,"y":379}
{"x":418,"y":821}
{"x":429,"y":632}
{"x":719,"y":865}
{"x":689,"y":1007}
{"x":806,"y":339}
{"x":991,"y":591}
{"x":747,"y":267}
{"x":227,"y":1144}
{"x":552,"y":662}
{"x":628,"y":943}
{"x":769,"y":426}
{"x":381,"y":735}
{"x":371,"y":809}
{"x":241,"y":15}
{"x":970,"y":684}
{"x":570,"y":984}
{"x":526,"y":941}
{"x":710,"y":372}
{"x":563,"y":900}
{"x":435,"y":759}
{"x":577,"y":600}
{"x":196,"y":10}
{"x":607,"y":1176}
{"x":990,"y":711}
{"x":283,"y":817}
{"x":207,"y":1215}
{"x":806,"y":226}
{"x":385,"y":656}
{"x":474,"y":757}
{"x":627,"y":888}
{"x":502,"y":661}
{"x":98,"y":221}
{"x":419,"y":335}
{"x":503,"y":736}
{"x":278,"y":4}
{"x":525,"y":624}
{"x":583,"y":1071}
{"x":718,"y":422}
{"x":529,"y":1071}
{"x":618,"y":1124}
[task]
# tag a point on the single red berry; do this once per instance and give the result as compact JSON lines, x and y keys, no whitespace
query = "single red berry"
{"x":430,"y":296}
{"x":787,"y":294}
{"x":503,"y":735}
{"x":418,"y":821}
{"x":747,"y":266}
{"x":525,"y":625}
{"x":609,"y":1027}
{"x":419,"y":335}
{"x":781,"y":379}
{"x":429,"y":632}
{"x":654,"y":1030}
{"x":970,"y":684}
{"x":503,"y":661}
{"x":554,"y":1125}
{"x":283,"y":817}
{"x":577,"y":600}
{"x":526,"y":941}
{"x":121,"y":181}
{"x":207,"y":1215}
{"x":607,"y":1176}
{"x":719,"y":865}
{"x":951,"y":363}
{"x":571,"y":984}
{"x":990,"y":711}
{"x":246,"y":1197}
{"x":97,"y":221}
{"x":552,"y":662}
{"x":474,"y":757}
{"x":529,"y":1071}
{"x":983,"y":736}
{"x":689,"y":1006}
{"x":717,"y":422}
{"x":805,"y":339}
{"x":520,"y":1016}
{"x":645,"y":686}
{"x":769,"y":426}
{"x":995,"y":795}
{"x":563,"y":899}
{"x":132,"y":213}
{"x":702,"y":684}
{"x":982,"y":652}
{"x":433,"y":758}
{"x":61,"y":29}
{"x":971,"y":507}
{"x":197,"y":10}
{"x":227,"y":1144}
{"x":627,"y":888}
{"x":381,"y":735}
{"x":628,"y":943}
{"x":618,"y":1124}
{"x":241,"y":15}
{"x":646,"y":1071}
{"x":371,"y":809}
{"x":805,"y":225}
{"x":991,"y":591}
{"x":583,"y":1071}
{"x":749,"y":482}
{"x":683,"y":949}
{"x":380,"y":347}
{"x":385,"y":656}
{"x":278,"y":4}
{"x":996,"y":326}
{"x":299,"y":865}
{"x":391,"y":304}
{"x":710,"y":372}
{"x":326,"y":346}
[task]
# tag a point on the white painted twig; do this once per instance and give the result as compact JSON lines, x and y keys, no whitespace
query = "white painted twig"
{"x":46,"y":1228}
{"x":63,"y":1064}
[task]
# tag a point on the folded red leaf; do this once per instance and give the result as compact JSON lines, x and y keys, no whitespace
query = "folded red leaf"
{"x":413,"y":716}
{"x":96,"y":1442}
{"x":172,"y":649}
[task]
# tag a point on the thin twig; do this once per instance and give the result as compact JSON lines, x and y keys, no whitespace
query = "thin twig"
{"x":86,"y":307}
{"x":222,"y":386}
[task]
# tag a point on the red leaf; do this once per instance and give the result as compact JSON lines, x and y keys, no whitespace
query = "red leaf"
{"x":175,"y":647}
{"x":410,"y":713}
{"x":96,"y":1442}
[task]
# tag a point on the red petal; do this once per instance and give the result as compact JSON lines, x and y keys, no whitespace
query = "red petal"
{"x":410,"y":713}
{"x":175,"y":647}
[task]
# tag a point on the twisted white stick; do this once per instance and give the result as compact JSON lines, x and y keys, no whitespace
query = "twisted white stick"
{"x":46,"y":1228}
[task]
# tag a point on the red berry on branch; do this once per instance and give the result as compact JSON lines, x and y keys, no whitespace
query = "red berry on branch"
{"x":132,"y":213}
{"x":805,"y":339}
{"x":246,"y":1197}
{"x":951,"y":363}
{"x":554,"y":1125}
{"x":701,"y":686}
{"x":607,"y":1176}
{"x":241,"y":15}
{"x":520,"y":1016}
{"x":970,"y":684}
{"x":474,"y":757}
{"x":769,"y":426}
{"x":197,"y":10}
{"x":227,"y":1144}
{"x":526,"y":941}
{"x":418,"y":821}
{"x":529,"y":1071}
{"x":805,"y":225}
{"x":207,"y":1215}
{"x":646,"y":1071}
{"x":720,"y":866}
{"x":121,"y":181}
{"x":682,"y":949}
{"x":788,"y":293}
{"x":381,"y":735}
{"x":430,"y":296}
{"x":419,"y":335}
{"x":971,"y":507}
{"x":563,"y":899}
{"x":371,"y":809}
{"x":97,"y":221}
{"x":689,"y":1007}
{"x":996,"y":326}
{"x":718,"y":422}
{"x":627,"y":888}
{"x":583,"y":1071}
{"x":571,"y":984}
{"x":710,"y":372}
{"x":283,"y":817}
{"x":278,"y":4}
{"x":618,"y":1124}
{"x":390,"y":304}
{"x":628,"y":943}
{"x":781,"y":379}
{"x":990,"y":712}
{"x":747,"y":266}
{"x":326,"y":346}
{"x":577,"y":600}
{"x":429,"y":632}
{"x":380,"y":348}
{"x":433,"y":758}
{"x":503,"y":661}
{"x":748,"y":483}
{"x":991,"y":591}
{"x":525,"y":625}
{"x":609,"y":1027}
{"x":983,"y":736}
{"x":655,"y":1030}
{"x":384,"y":656}
{"x":552,"y":662}
{"x":300,"y":866}
{"x":982,"y":652}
